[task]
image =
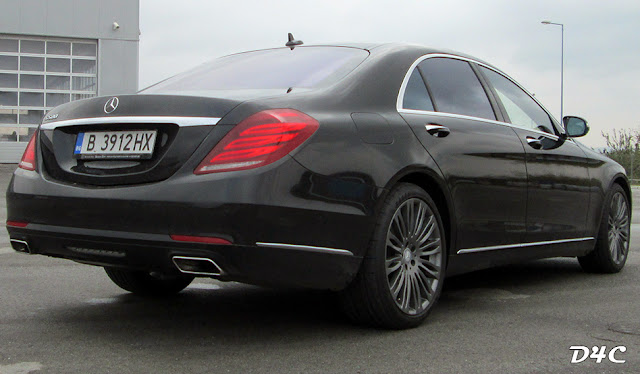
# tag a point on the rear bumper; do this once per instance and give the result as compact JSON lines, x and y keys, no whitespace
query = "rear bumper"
{"x":264,"y":265}
{"x":283,"y":228}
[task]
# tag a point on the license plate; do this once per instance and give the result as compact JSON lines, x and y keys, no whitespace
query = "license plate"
{"x":115,"y":145}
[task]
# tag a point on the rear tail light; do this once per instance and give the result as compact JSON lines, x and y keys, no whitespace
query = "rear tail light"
{"x":28,"y":161}
{"x":259,"y":140}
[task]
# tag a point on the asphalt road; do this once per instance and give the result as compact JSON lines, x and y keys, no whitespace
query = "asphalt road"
{"x":60,"y":317}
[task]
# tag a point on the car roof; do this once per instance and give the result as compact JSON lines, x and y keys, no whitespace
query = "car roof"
{"x":383,"y":48}
{"x":370,"y":47}
{"x":387,"y":47}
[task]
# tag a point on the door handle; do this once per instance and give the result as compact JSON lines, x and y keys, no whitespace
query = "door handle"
{"x":437,"y":130}
{"x":534,"y":143}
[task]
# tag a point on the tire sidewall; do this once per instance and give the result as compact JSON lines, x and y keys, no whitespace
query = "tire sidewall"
{"x":377,"y":251}
{"x":603,"y":234}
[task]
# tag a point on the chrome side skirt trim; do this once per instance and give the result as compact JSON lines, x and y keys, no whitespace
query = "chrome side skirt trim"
{"x":307,"y":248}
{"x":520,"y":245}
{"x":180,"y":121}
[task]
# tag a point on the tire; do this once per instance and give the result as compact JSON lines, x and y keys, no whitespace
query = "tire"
{"x":401,"y":276}
{"x":144,"y":284}
{"x":612,"y":245}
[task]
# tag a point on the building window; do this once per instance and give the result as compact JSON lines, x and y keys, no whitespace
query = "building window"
{"x":37,"y":74}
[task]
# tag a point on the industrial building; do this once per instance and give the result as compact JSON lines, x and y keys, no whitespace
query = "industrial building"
{"x":56,"y":51}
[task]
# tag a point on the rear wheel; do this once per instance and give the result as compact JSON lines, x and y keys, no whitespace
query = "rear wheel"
{"x":401,"y":276}
{"x":144,"y":284}
{"x":612,"y":246}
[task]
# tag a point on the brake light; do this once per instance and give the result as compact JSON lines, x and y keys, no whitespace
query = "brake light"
{"x":28,"y":161}
{"x":19,"y":224}
{"x":259,"y":140}
{"x":200,"y":239}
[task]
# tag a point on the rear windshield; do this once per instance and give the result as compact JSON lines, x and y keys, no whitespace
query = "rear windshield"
{"x":282,"y":68}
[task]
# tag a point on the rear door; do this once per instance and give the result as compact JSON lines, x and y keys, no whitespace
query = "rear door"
{"x":558,"y":178}
{"x":482,"y":160}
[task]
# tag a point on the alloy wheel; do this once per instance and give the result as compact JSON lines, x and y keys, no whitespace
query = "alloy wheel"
{"x":413,"y":256}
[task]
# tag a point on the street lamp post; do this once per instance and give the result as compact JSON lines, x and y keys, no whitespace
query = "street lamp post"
{"x":561,"y":65}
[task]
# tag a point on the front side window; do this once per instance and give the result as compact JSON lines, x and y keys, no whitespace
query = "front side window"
{"x":455,"y":88}
{"x":520,"y":107}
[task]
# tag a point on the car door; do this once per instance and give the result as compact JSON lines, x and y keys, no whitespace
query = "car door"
{"x":482,"y":161}
{"x":557,"y":169}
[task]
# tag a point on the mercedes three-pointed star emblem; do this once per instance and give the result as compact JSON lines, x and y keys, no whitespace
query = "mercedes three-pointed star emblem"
{"x":111,"y":105}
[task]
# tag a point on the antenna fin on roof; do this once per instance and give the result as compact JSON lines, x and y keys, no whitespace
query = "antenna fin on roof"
{"x":292,"y":43}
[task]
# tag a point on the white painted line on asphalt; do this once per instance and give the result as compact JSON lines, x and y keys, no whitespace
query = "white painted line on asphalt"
{"x":20,"y":368}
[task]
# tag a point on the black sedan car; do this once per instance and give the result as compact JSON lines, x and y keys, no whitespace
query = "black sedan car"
{"x":373,"y":170}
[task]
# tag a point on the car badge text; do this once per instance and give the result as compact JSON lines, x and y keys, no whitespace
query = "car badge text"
{"x":50,"y":117}
{"x":111,"y":105}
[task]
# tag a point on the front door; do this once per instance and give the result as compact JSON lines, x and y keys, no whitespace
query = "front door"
{"x":558,"y":178}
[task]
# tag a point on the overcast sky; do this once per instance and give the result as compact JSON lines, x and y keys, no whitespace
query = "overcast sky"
{"x":602,"y":41}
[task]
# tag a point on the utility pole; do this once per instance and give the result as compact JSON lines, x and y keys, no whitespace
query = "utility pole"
{"x":561,"y":66}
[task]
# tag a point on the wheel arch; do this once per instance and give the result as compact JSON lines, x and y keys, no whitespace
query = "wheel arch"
{"x":602,"y":258}
{"x":435,"y":186}
{"x":618,"y":179}
{"x":622,"y":180}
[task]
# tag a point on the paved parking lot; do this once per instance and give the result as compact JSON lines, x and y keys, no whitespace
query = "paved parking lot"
{"x":60,"y":317}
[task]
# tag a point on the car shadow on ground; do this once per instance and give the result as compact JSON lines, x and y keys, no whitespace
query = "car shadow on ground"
{"x":233,"y":312}
{"x":527,"y":275}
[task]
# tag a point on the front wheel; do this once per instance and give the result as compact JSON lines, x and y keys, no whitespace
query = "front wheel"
{"x":401,"y":276}
{"x":612,"y":246}
{"x":144,"y":284}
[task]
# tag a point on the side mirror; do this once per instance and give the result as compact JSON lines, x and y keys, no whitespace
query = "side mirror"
{"x":575,"y":126}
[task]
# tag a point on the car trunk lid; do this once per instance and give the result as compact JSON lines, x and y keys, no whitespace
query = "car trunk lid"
{"x":168,"y":129}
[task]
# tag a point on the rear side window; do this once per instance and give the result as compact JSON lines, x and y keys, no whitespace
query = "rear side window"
{"x":455,"y":88}
{"x":282,"y":68}
{"x":521,"y":108}
{"x":415,"y":95}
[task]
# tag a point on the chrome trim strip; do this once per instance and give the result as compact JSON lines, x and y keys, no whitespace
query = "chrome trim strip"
{"x":173,"y":259}
{"x":451,"y":115}
{"x":180,"y":121}
{"x":307,"y":248}
{"x":405,"y":81}
{"x":521,"y":245}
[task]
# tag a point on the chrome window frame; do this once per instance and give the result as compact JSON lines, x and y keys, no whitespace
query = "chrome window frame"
{"x":405,"y":82}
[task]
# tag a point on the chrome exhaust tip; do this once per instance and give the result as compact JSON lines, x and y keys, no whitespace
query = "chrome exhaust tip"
{"x":196,"y":265}
{"x":20,"y":246}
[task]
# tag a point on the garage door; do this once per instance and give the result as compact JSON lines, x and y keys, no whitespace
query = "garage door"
{"x":37,"y":74}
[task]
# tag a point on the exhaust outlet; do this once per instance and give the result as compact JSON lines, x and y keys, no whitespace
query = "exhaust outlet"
{"x":196,"y":265}
{"x":20,"y":246}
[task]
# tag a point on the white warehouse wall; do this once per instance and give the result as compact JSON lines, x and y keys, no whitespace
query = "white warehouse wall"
{"x":117,"y":58}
